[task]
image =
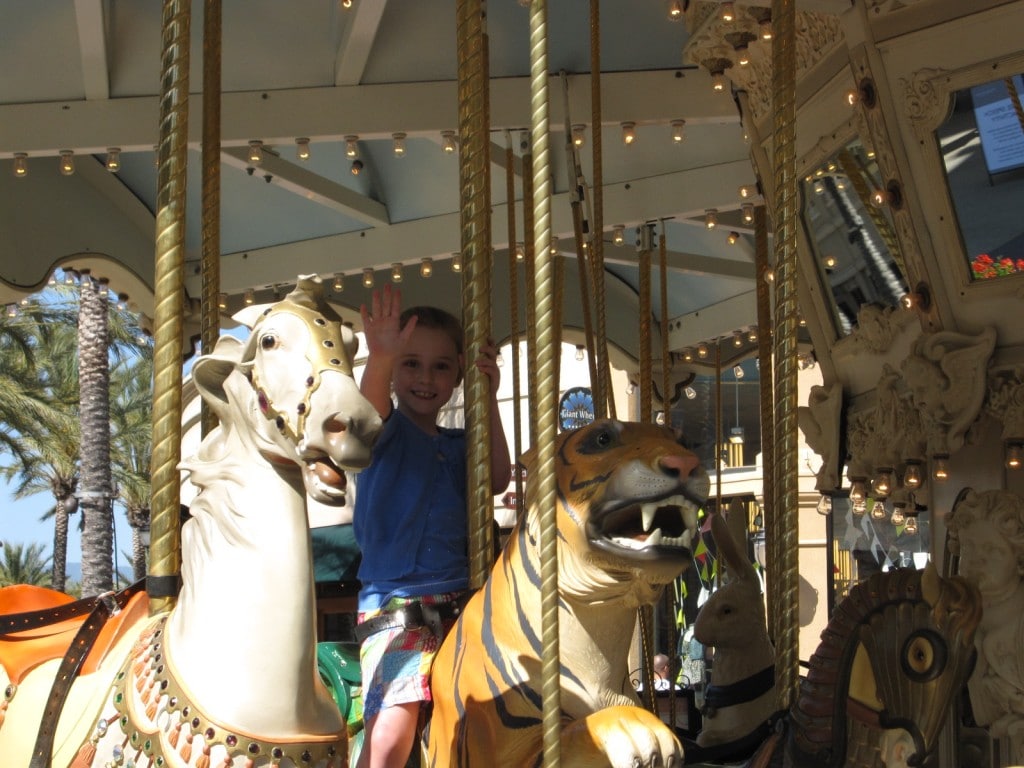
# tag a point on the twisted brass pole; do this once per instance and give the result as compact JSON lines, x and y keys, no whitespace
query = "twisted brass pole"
{"x":513,"y":319}
{"x":644,"y":289}
{"x":666,"y":360}
{"x":530,"y":278}
{"x":210,"y":308}
{"x":475,"y":207}
{"x":784,"y":527}
{"x":604,"y":401}
{"x":857,"y":176}
{"x":548,"y":338}
{"x":169,"y":285}
{"x":764,"y":359}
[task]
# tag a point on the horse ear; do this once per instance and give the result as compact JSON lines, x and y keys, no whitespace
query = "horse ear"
{"x":212,"y":370}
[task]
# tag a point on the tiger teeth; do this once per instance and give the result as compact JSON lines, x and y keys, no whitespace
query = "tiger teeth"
{"x":648,"y":510}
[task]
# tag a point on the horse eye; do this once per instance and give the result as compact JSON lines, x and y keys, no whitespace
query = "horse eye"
{"x":268,"y":341}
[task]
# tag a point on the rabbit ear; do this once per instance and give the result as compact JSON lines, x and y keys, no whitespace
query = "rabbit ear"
{"x":736,"y":560}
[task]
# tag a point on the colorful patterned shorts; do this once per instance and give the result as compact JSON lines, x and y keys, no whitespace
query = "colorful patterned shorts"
{"x":395,"y":663}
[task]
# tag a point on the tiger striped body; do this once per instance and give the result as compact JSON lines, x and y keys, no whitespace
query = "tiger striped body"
{"x":627,"y":510}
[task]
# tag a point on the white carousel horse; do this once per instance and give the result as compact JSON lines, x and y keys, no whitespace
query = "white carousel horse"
{"x":228,"y":676}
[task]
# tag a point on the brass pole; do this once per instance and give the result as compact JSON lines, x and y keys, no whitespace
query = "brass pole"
{"x":210,"y":321}
{"x":475,"y":206}
{"x":513,"y":320}
{"x":169,"y":287}
{"x":604,"y":400}
{"x":783,"y":533}
{"x":764,"y":358}
{"x":666,"y":359}
{"x":548,"y":339}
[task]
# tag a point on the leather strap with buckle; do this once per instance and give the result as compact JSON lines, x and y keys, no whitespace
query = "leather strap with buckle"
{"x":414,"y":615}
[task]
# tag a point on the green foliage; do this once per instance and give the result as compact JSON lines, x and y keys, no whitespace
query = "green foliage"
{"x":24,"y":564}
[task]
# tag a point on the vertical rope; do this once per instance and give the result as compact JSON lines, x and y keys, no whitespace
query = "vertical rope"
{"x":513,"y":320}
{"x":784,"y":531}
{"x":604,"y":400}
{"x":644,"y":288}
{"x":1018,"y":108}
{"x":857,"y":175}
{"x":530,"y":276}
{"x":546,"y":403}
{"x":210,"y":320}
{"x":165,"y":549}
{"x":475,"y":207}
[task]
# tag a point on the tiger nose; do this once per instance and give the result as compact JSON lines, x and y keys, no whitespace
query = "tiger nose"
{"x":679,"y":465}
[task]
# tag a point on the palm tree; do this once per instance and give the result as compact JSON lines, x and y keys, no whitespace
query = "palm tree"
{"x":23,"y":564}
{"x":131,"y":407}
{"x":95,"y":492}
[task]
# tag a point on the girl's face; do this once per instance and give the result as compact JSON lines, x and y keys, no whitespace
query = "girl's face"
{"x":425,"y":375}
{"x":988,"y":559}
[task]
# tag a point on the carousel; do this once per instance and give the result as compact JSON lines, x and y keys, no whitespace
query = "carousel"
{"x":785,"y":230}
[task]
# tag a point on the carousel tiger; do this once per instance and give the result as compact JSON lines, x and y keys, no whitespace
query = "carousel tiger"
{"x":628,"y":501}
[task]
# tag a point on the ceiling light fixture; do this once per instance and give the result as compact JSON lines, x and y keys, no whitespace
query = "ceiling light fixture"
{"x":396,"y":272}
{"x":677,"y":131}
{"x":113,"y":159}
{"x":456,"y":262}
{"x":628,"y":133}
{"x":448,"y":142}
{"x":249,"y":297}
{"x":67,"y":162}
{"x":368,"y":277}
{"x":351,"y":147}
{"x":426,"y":266}
{"x":398,"y":144}
{"x":711,"y":218}
{"x":747,"y":210}
{"x":579,"y":134}
{"x":20,"y":168}
{"x":520,"y":251}
{"x":618,"y":234}
{"x":255,"y":152}
{"x":339,"y":283}
{"x":302,"y":148}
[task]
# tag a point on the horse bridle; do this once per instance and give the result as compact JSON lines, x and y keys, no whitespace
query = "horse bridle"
{"x":326,"y":352}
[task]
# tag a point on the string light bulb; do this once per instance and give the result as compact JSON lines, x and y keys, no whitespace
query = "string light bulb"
{"x":520,"y":251}
{"x":718,"y":81}
{"x":580,"y":352}
{"x":765,"y":28}
{"x":898,"y":516}
{"x":448,"y":142}
{"x":1013,"y":456}
{"x":911,"y":526}
{"x":456,"y":262}
{"x":578,"y":135}
{"x":882,"y":484}
{"x":113,"y":163}
{"x":555,"y":250}
{"x":702,"y":350}
{"x":857,"y":490}
{"x":338,"y":284}
{"x":747,"y":211}
{"x":733,"y":238}
{"x":351,"y":147}
{"x":67,"y":162}
{"x":678,"y":128}
{"x":222,"y":301}
{"x":249,"y":297}
{"x":357,"y":167}
{"x":396,"y":272}
{"x":727,"y":11}
{"x":878,"y":510}
{"x":747,"y":191}
{"x":825,"y":504}
{"x":255,"y":152}
{"x":690,"y":393}
{"x":940,"y":467}
{"x":302,"y":148}
{"x":20,"y":168}
{"x":426,"y":266}
{"x":711,"y":218}
{"x":688,"y":355}
{"x":398,"y":144}
{"x":675,"y":10}
{"x":628,"y":133}
{"x":618,"y":234}
{"x":912,"y":474}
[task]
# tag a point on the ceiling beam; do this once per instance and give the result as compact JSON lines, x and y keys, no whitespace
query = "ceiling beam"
{"x":713,"y":322}
{"x":369,"y":111}
{"x":92,"y":44}
{"x":313,"y":187}
{"x":689,"y":263}
{"x":438,"y":236}
{"x":363,"y":21}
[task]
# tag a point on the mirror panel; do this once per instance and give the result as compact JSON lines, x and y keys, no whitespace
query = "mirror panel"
{"x":845,"y":213}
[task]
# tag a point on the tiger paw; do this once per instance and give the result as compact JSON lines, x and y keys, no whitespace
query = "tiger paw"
{"x":620,"y":737}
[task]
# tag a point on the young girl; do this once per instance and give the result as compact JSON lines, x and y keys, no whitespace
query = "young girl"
{"x":410,"y":514}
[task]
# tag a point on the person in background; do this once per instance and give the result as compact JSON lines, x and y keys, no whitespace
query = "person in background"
{"x":410,"y":516}
{"x":661,"y":673}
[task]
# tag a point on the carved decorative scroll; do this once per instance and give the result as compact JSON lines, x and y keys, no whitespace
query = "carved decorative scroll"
{"x":819,"y":420}
{"x":1006,"y":402}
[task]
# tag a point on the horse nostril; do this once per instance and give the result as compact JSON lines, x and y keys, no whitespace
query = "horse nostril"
{"x":335,"y":426}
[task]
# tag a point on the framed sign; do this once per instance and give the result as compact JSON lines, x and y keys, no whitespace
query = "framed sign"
{"x":575,"y":408}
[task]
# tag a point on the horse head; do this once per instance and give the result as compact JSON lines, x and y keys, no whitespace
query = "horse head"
{"x":294,"y":374}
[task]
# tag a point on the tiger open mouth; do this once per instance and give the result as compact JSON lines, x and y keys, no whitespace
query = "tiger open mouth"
{"x":651,"y":528}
